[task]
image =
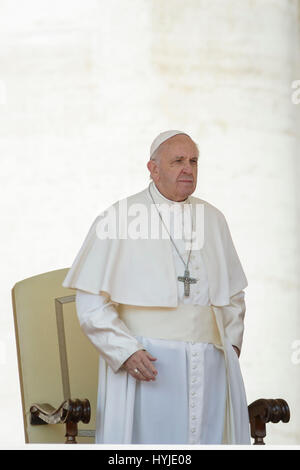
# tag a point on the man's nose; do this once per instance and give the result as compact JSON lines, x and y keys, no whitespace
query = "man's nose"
{"x":187,"y":168}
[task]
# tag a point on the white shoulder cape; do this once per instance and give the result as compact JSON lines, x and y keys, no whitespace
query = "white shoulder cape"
{"x":142,"y":272}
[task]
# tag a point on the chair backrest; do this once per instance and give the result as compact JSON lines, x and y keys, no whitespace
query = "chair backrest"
{"x":56,"y":360}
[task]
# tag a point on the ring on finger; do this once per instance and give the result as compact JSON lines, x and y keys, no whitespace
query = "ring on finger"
{"x":137,"y":371}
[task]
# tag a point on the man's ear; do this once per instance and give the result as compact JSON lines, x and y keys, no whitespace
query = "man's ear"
{"x":152,"y":167}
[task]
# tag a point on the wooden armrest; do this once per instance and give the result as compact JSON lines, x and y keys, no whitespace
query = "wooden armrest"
{"x":70,"y":412}
{"x":263,"y":411}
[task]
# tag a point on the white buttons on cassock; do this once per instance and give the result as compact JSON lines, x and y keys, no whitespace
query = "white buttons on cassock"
{"x":195,"y":391}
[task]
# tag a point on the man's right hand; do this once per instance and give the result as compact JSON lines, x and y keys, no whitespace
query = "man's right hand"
{"x":141,"y":360}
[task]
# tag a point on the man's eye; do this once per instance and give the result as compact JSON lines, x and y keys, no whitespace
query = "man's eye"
{"x":179,"y":160}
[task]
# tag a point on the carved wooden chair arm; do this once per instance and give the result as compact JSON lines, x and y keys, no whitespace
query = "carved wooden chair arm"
{"x":70,"y":412}
{"x":263,"y":411}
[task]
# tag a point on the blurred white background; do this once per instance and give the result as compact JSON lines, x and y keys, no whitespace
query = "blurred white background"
{"x":86,"y":85}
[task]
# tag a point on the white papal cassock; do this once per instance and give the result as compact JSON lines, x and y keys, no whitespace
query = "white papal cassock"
{"x":187,"y":402}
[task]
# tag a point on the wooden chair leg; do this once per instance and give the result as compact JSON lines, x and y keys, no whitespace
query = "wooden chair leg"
{"x":71,"y":433}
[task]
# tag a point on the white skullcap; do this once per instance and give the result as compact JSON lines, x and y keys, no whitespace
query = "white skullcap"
{"x":162,"y":137}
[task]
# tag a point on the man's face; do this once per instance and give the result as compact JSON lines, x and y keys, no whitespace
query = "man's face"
{"x":175,"y":173}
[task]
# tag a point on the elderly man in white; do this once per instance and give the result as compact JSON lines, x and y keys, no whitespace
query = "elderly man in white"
{"x":167,"y":317}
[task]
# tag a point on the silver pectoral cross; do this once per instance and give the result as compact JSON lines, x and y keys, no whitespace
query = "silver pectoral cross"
{"x":187,"y":281}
